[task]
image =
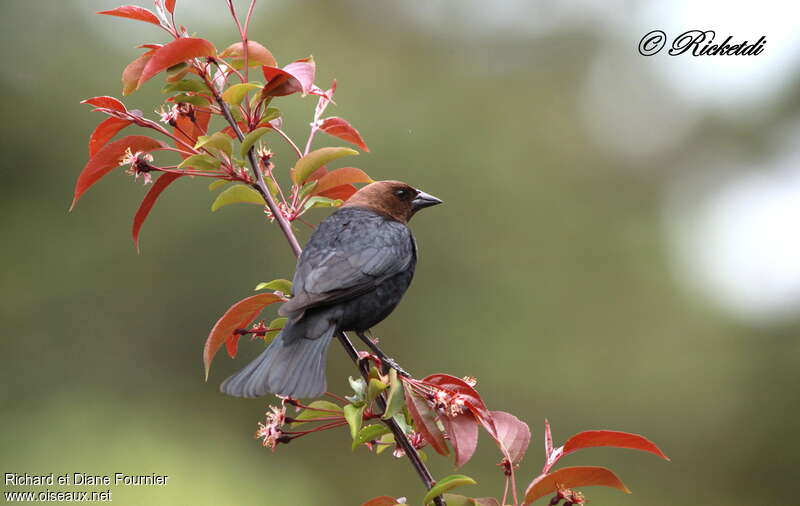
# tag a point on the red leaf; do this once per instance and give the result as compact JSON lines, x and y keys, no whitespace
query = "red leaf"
{"x":108,"y":158}
{"x":342,"y":192}
{"x":304,"y":71}
{"x":317,"y":174}
{"x":463,"y":433}
{"x":133,"y":12}
{"x":170,"y":5}
{"x":594,"y":438}
{"x":175,"y":52}
{"x":279,"y":83}
{"x":297,"y":76}
{"x":149,"y":200}
{"x":201,"y":122}
{"x":513,"y":435}
{"x":571,"y":477}
{"x":107,"y":129}
{"x":256,"y":53}
{"x":133,"y":71}
{"x":188,"y":130}
{"x":383,"y":500}
{"x":338,"y":177}
{"x":243,"y":127}
{"x":425,"y":422}
{"x":238,"y":316}
{"x":232,"y":345}
{"x":340,"y":128}
{"x":105,"y":102}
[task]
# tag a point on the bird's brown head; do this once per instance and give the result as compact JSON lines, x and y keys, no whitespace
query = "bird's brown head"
{"x":395,"y":199}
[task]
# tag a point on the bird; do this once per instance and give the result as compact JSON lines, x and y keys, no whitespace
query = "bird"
{"x":354,"y":270}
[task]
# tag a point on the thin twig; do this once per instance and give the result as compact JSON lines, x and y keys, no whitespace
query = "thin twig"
{"x":311,"y":135}
{"x":514,"y":486}
{"x":261,"y":185}
{"x":290,"y":141}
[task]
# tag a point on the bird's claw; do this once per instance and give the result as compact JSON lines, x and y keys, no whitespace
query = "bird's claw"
{"x":390,"y":362}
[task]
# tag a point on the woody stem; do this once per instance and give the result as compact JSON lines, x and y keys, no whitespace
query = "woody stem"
{"x":261,"y":185}
{"x":399,"y":436}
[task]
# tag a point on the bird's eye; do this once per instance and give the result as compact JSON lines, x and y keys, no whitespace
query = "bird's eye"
{"x":401,"y":193}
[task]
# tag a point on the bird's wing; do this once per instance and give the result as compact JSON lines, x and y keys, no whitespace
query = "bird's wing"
{"x":349,"y":254}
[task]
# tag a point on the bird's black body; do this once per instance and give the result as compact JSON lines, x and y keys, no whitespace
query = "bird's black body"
{"x":351,"y":275}
{"x":354,"y":270}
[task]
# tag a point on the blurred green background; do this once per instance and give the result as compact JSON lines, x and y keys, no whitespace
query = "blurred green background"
{"x":605,"y":257}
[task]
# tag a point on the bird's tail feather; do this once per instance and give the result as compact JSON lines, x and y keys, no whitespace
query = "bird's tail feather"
{"x":295,"y":369}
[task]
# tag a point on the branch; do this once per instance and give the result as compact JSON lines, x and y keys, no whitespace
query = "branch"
{"x":260,"y":186}
{"x":399,"y":436}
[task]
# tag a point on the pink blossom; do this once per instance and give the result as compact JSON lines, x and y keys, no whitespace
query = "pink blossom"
{"x":450,"y":403}
{"x":271,"y":431}
{"x":168,"y":115}
{"x":139,"y":164}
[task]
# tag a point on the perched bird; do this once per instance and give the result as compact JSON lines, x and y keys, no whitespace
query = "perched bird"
{"x":353,"y":272}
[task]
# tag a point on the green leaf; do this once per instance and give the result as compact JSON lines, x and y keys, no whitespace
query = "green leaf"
{"x":374,"y":389}
{"x":374,"y":373}
{"x":270,"y":114}
{"x":236,"y":93}
{"x":369,"y":433}
{"x":354,"y":416}
{"x":186,"y":85}
{"x":176,"y":69}
{"x":237,"y":114}
{"x":458,"y":500}
{"x":218,"y":141}
{"x":308,"y":415}
{"x":281,"y":285}
{"x":321,"y":202}
{"x":237,"y":194}
{"x":316,"y":159}
{"x":219,"y":183}
{"x":201,"y":162}
{"x":276,"y":325}
{"x":307,"y":188}
{"x":447,"y":484}
{"x":191,"y":99}
{"x":251,"y":139}
{"x":396,"y":400}
{"x":400,"y":420}
{"x":386,"y":438}
{"x":484,"y":501}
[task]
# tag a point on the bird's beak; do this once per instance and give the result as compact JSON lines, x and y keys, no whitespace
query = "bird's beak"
{"x":424,"y":200}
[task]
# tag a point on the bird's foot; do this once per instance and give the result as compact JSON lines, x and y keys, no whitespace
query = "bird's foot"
{"x":390,"y":362}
